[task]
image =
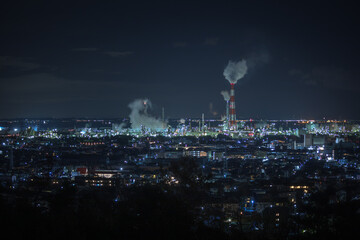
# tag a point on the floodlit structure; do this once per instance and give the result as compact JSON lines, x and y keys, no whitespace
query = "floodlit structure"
{"x":233,"y":72}
{"x":233,"y":125}
{"x":226,"y":96}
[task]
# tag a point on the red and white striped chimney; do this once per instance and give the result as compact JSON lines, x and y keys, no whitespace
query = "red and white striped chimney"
{"x":233,"y":125}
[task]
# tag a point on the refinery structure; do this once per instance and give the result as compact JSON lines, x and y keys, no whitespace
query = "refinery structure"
{"x":233,"y":73}
{"x":182,"y":120}
{"x":247,"y":175}
{"x":141,"y":120}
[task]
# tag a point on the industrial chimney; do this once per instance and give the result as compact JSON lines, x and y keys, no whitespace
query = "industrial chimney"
{"x":233,"y":72}
{"x":233,"y":125}
{"x":226,"y":96}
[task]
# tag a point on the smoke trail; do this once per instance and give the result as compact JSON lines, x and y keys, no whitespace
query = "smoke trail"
{"x":226,"y":95}
{"x":139,"y":116}
{"x":257,"y":59}
{"x":211,"y":109}
{"x":235,"y":71}
{"x":118,"y":127}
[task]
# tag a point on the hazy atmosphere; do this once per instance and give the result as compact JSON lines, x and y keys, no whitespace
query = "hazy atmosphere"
{"x":73,"y":59}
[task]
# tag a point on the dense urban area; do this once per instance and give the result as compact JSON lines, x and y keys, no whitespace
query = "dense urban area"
{"x":295,"y":179}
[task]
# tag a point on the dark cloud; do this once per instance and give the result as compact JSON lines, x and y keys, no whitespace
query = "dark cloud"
{"x":74,"y":59}
{"x":258,"y":59}
{"x":18,"y":63}
{"x":42,"y":93}
{"x":85,"y":49}
{"x":211,"y":41}
{"x":109,"y":53}
{"x":325,"y":76}
{"x":179,"y":44}
{"x":118,"y":54}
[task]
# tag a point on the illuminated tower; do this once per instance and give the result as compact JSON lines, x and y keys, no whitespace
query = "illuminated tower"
{"x":233,"y":125}
{"x":203,"y":123}
{"x":226,"y":96}
{"x":227,"y":116}
{"x":233,"y":72}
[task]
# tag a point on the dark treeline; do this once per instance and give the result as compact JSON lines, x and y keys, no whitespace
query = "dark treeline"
{"x":159,"y":211}
{"x":144,"y":213}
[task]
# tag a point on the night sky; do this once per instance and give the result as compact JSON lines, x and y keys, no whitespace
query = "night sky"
{"x":72,"y":59}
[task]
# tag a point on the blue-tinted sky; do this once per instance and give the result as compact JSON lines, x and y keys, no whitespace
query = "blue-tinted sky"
{"x":91,"y":59}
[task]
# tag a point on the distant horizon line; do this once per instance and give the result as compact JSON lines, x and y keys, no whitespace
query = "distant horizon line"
{"x":175,"y":118}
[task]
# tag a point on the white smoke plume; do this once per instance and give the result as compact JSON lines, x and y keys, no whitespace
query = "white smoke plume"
{"x":139,"y":116}
{"x":211,"y":109}
{"x":235,"y":71}
{"x":257,"y":59}
{"x":226,"y":95}
{"x":118,"y":127}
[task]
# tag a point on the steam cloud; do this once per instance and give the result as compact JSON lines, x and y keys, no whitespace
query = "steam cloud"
{"x":235,"y":71}
{"x":226,"y":95}
{"x":139,"y":116}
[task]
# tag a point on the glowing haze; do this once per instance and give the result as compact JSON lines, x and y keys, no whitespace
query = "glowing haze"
{"x":226,"y":95}
{"x":139,"y":116}
{"x":235,"y":71}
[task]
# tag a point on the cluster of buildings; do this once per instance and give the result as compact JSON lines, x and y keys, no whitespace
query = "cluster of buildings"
{"x":254,"y":179}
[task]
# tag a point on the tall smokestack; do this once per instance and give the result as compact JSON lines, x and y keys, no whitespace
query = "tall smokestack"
{"x":203,"y":122}
{"x":226,"y":96}
{"x":233,"y":72}
{"x":233,"y":125}
{"x":227,"y":116}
